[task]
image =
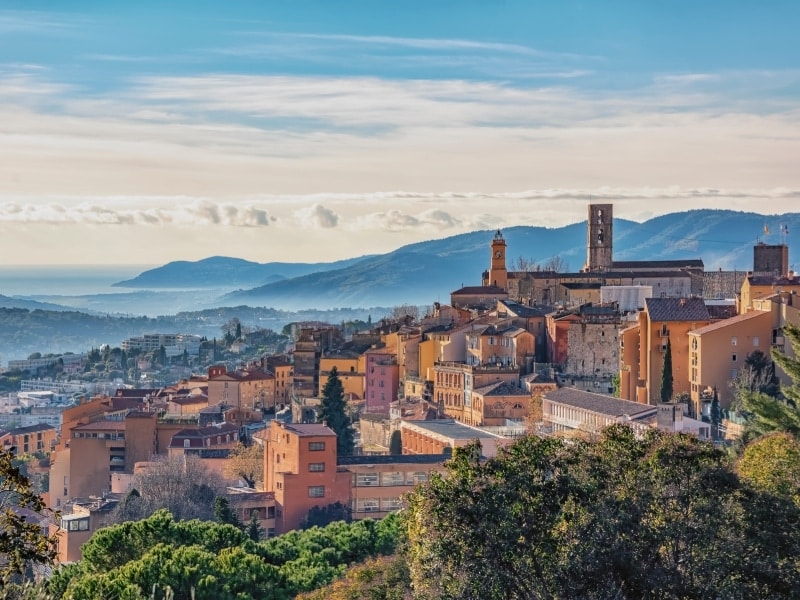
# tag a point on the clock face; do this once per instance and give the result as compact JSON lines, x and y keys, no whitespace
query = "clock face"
{"x":498,"y":254}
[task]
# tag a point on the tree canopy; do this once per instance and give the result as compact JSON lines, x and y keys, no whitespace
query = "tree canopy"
{"x":23,"y":542}
{"x":212,"y":561}
{"x":656,"y":515}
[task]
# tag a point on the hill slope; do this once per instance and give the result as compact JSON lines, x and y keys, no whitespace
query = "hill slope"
{"x":424,"y":272}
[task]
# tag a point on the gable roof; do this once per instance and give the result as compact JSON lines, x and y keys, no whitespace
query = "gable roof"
{"x":600,"y":403}
{"x":677,"y":309}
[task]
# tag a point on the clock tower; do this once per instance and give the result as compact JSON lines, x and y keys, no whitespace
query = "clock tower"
{"x":498,"y":276}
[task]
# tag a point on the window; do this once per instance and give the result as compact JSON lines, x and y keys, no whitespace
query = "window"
{"x":77,"y":524}
{"x":316,"y":446}
{"x":391,"y":504}
{"x":734,"y":341}
{"x":185,"y":443}
{"x":419,"y":477}
{"x":316,"y":467}
{"x":367,"y":505}
{"x":316,"y":491}
{"x":366,"y":479}
{"x":755,"y":341}
{"x":392,"y":478}
{"x":734,"y":373}
{"x":733,"y":357}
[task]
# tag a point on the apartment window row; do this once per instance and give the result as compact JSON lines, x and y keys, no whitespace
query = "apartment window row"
{"x":317,"y":467}
{"x":316,"y":491}
{"x":316,"y":446}
{"x":376,"y":504}
{"x":100,"y":435}
{"x":389,"y":478}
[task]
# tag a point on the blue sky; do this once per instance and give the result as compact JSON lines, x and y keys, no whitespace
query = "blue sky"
{"x":319,"y":130}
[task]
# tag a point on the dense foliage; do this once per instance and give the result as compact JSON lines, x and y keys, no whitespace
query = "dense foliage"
{"x":22,"y":540}
{"x":766,"y":413}
{"x":206,"y":560}
{"x":655,"y":516}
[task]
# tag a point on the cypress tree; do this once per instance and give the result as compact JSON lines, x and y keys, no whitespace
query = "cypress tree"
{"x":333,"y":411}
{"x":666,"y":374}
{"x":716,"y":416}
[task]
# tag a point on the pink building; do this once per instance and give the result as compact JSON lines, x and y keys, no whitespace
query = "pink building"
{"x":382,"y":380}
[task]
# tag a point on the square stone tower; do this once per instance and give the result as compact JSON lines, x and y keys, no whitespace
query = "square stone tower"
{"x":600,"y":240}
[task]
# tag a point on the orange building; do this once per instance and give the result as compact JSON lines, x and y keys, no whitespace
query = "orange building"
{"x":303,"y":471}
{"x":717,"y":353}
{"x":30,"y":439}
{"x":643,"y":347}
{"x":761,"y":286}
{"x":250,"y":389}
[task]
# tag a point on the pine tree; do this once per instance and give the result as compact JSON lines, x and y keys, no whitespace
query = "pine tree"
{"x":224,"y":514}
{"x":333,"y":411}
{"x":396,"y":443}
{"x":666,"y":375}
{"x":716,"y":416}
{"x":791,"y":366}
{"x":254,"y":529}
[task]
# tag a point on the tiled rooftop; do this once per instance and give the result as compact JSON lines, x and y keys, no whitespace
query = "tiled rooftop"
{"x":677,"y":309}
{"x":599,"y":403}
{"x":309,"y":429}
{"x":728,"y":322}
{"x":388,"y":459}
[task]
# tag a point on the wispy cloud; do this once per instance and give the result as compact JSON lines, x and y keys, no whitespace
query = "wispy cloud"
{"x":102,"y":212}
{"x":416,"y":211}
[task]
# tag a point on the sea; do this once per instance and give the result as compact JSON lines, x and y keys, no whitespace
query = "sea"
{"x":65,"y":280}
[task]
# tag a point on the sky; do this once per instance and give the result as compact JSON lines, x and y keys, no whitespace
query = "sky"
{"x":309,"y":131}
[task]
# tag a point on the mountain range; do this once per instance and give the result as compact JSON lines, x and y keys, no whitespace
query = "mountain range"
{"x":425,"y":272}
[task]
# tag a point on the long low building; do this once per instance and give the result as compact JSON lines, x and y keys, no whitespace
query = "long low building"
{"x":570,"y":409}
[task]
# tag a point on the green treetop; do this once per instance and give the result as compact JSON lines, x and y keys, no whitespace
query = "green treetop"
{"x":666,"y":375}
{"x":333,"y":411}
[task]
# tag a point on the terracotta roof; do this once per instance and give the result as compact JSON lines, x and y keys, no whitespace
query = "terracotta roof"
{"x":677,"y":309}
{"x":193,"y":399}
{"x":728,"y":322}
{"x":211,"y":430}
{"x":599,"y":403}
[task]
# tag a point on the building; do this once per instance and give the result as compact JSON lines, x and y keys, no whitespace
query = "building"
{"x":568,"y":409}
{"x":668,"y":278}
{"x":303,"y":471}
{"x":442,"y":436}
{"x":251,"y":389}
{"x":665,"y":322}
{"x":584,"y":342}
{"x":761,"y":286}
{"x":717,"y":353}
{"x":351,"y":368}
{"x":29,"y":440}
{"x":454,"y":382}
{"x":382,"y":380}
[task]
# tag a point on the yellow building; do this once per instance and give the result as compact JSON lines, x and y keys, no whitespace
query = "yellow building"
{"x":351,"y":370}
{"x":717,"y":353}
{"x":761,"y":286}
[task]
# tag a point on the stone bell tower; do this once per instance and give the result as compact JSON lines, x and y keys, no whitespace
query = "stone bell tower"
{"x":498,"y":275}
{"x":600,"y":241}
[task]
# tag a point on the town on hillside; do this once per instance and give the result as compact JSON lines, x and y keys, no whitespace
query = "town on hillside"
{"x":336,"y":419}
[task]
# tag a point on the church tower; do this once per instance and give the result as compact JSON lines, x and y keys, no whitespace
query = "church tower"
{"x":498,"y":276}
{"x":600,"y":241}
